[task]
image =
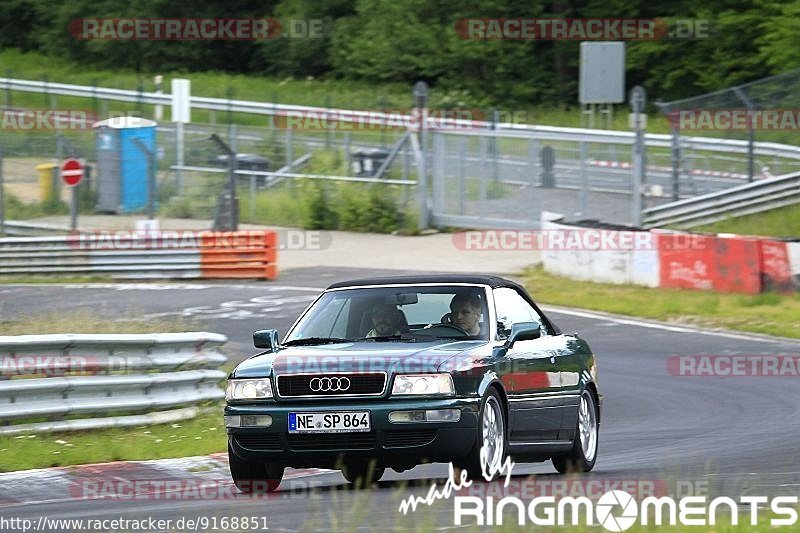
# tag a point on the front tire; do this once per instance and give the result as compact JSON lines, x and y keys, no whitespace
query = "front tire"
{"x":491,"y":435}
{"x":583,"y":455}
{"x":252,"y":477}
{"x":363,"y":474}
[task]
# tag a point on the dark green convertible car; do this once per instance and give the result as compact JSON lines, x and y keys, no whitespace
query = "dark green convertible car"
{"x":397,"y":371}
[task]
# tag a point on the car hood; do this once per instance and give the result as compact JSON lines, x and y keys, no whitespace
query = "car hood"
{"x":390,"y":357}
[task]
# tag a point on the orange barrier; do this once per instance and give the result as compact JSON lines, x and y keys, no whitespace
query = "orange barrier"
{"x":239,"y":254}
{"x":707,"y":262}
{"x":775,"y":266}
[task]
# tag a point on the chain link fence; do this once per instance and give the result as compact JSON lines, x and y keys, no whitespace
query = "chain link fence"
{"x":766,"y":110}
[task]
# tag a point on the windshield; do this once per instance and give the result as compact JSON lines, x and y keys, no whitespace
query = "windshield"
{"x":408,"y":313}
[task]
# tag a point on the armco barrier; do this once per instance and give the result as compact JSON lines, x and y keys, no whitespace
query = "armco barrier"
{"x":88,"y":377}
{"x":676,"y":259}
{"x":141,"y":255}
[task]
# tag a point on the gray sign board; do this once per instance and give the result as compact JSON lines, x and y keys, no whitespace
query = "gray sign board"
{"x":602,"y":73}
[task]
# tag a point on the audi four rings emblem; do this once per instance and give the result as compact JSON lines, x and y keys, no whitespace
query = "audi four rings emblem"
{"x":329,"y":384}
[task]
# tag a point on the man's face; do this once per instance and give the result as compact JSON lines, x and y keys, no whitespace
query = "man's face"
{"x":466,"y":317}
{"x":384,"y":321}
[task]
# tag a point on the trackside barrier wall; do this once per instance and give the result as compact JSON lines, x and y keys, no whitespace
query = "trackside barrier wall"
{"x":793,"y":249}
{"x":720,"y":263}
{"x":138,"y":255}
{"x":675,"y":259}
{"x":88,"y":381}
{"x":636,"y":266}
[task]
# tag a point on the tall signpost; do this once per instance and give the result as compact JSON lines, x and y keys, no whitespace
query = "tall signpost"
{"x":602,"y":82}
{"x":71,"y":176}
{"x":420,"y":93}
{"x":181,"y":114}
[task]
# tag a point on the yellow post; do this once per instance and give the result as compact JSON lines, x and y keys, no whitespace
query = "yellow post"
{"x":47,"y":189}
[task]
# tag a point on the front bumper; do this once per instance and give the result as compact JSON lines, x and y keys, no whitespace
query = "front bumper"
{"x":391,"y":444}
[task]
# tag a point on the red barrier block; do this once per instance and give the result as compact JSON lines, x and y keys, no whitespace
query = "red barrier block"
{"x":707,"y":262}
{"x":737,"y":266}
{"x":686,"y":263}
{"x":775,"y":266}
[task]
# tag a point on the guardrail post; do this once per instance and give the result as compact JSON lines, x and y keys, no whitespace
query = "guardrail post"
{"x":638,"y":99}
{"x":2,"y":198}
{"x":676,"y":164}
{"x":751,"y":135}
{"x":584,"y":179}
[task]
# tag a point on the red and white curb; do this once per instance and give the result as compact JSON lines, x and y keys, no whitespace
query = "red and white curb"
{"x":187,"y":478}
{"x":695,"y":172}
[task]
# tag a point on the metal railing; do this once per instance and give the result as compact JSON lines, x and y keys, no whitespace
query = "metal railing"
{"x":763,"y":149}
{"x":15,"y":228}
{"x":737,"y":201}
{"x":82,"y":381}
{"x":143,"y":255}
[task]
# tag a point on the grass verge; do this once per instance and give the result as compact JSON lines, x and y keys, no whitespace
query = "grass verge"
{"x":769,"y":313}
{"x":337,"y":93}
{"x":199,"y":436}
{"x":783,"y":222}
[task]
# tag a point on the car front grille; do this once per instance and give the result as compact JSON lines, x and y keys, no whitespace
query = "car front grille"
{"x":333,"y":441}
{"x":260,"y":441}
{"x":331,"y":385}
{"x":413,"y":437}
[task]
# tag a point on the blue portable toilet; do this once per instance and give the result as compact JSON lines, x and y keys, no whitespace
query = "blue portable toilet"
{"x":123,"y":173}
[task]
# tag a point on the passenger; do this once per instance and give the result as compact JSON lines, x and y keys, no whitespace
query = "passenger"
{"x":387,"y":320}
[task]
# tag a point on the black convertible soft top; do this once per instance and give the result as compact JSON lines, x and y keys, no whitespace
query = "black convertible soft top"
{"x":492,"y":281}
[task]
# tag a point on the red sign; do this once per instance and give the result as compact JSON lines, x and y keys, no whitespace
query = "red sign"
{"x":71,"y":172}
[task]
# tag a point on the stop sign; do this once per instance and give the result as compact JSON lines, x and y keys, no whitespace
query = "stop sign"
{"x":71,"y":172}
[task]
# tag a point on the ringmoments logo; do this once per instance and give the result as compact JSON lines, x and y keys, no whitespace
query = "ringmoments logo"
{"x":615,"y":510}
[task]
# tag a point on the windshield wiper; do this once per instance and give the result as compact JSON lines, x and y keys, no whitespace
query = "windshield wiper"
{"x":311,"y":341}
{"x":398,"y":337}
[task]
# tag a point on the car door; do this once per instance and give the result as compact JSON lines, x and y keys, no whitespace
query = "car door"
{"x":530,"y":373}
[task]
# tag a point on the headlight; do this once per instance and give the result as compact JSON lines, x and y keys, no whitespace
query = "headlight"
{"x":248,"y":389}
{"x":423,"y":384}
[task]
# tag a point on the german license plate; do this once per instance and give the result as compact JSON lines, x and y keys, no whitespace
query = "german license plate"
{"x":341,"y":422}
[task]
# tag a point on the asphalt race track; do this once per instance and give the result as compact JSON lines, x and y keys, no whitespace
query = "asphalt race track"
{"x":730,"y":436}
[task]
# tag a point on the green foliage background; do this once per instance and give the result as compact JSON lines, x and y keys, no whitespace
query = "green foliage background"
{"x":385,"y":41}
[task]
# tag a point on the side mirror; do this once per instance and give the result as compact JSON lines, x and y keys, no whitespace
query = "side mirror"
{"x":266,"y":338}
{"x":523,"y":331}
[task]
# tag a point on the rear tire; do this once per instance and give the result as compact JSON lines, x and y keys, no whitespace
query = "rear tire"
{"x":583,"y":455}
{"x":492,"y":434}
{"x":253,"y":477}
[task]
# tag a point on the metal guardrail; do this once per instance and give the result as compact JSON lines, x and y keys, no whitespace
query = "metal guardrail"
{"x":737,"y":201}
{"x":143,"y":255}
{"x":134,"y":377}
{"x":24,"y":229}
{"x":761,"y":149}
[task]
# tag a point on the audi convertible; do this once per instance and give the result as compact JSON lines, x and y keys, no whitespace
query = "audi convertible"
{"x":397,"y":371}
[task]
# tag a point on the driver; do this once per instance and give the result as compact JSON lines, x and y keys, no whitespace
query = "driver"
{"x":465,"y":310}
{"x":387,"y":320}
